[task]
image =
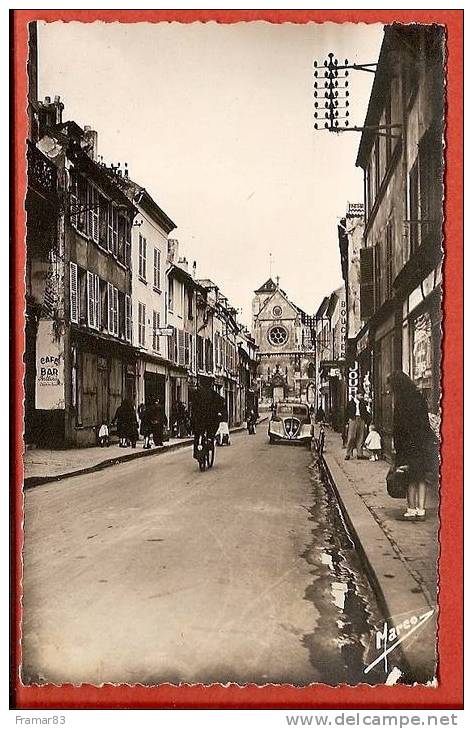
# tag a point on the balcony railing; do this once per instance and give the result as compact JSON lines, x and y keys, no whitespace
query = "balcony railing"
{"x":42,"y":173}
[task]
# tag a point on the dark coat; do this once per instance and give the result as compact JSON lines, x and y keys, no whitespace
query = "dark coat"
{"x":351,"y":411}
{"x":208,"y":408}
{"x":414,"y":440}
{"x":127,"y":424}
{"x":153,"y":419}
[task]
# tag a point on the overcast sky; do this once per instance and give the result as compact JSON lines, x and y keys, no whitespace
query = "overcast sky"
{"x":216,"y":121}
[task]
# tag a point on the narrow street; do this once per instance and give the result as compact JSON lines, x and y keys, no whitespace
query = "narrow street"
{"x":151,"y":572}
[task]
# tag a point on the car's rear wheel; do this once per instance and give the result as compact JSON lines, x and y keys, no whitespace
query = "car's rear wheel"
{"x":272,"y":440}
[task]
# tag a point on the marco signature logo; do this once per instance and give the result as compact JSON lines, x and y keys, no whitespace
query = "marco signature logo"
{"x":390,"y":638}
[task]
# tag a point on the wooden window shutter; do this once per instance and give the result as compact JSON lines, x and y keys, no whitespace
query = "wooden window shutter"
{"x":115,"y":311}
{"x":156,"y":268}
{"x":187,"y":349}
{"x":74,"y":200}
{"x":97,"y":300}
{"x":181,"y":359}
{"x":90,"y":299}
{"x":89,"y":209}
{"x":95,"y":214}
{"x":110,"y":308}
{"x":367,"y":282}
{"x":127,"y":318}
{"x":114,"y":247}
{"x":127,"y":243}
{"x":110,"y":227}
{"x":73,"y":294}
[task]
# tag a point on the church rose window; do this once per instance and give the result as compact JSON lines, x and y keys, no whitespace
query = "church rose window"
{"x":277,"y":311}
{"x":277,"y":336}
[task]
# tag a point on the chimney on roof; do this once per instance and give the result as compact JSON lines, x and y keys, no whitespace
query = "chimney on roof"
{"x":89,"y":143}
{"x":183,"y":263}
{"x":49,"y":114}
{"x":173,"y":250}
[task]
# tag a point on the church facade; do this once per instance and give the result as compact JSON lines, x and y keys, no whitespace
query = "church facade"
{"x":286,"y":368}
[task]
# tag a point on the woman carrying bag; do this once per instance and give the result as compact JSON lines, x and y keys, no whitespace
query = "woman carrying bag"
{"x":416,"y":446}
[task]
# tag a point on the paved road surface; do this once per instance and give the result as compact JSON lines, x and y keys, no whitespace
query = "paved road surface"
{"x":151,"y":572}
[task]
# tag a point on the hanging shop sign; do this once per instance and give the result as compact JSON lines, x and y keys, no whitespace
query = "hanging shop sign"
{"x":343,"y":328}
{"x":353,"y":380}
{"x":49,"y":367}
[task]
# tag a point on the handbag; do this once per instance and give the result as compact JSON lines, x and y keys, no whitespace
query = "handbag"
{"x":397,"y":482}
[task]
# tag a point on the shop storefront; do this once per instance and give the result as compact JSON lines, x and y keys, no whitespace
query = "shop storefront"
{"x":422,"y":338}
{"x":332,"y":392}
{"x":101,"y":378}
{"x":383,"y":365}
{"x":362,"y":377}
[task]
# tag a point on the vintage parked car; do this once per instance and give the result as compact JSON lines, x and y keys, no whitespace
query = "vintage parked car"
{"x":291,"y":422}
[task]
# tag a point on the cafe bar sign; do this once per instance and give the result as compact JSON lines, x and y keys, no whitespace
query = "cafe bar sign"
{"x":49,"y":368}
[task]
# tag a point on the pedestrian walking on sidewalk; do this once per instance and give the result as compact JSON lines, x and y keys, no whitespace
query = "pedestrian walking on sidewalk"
{"x":358,"y":418}
{"x":415,"y":442}
{"x":153,"y":423}
{"x":373,"y":443}
{"x":127,"y":424}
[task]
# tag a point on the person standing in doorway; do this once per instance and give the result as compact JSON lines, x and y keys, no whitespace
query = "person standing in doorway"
{"x":415,"y":443}
{"x":358,"y":418}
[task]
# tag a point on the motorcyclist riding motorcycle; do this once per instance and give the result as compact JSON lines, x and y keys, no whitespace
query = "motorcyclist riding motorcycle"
{"x":207,"y":409}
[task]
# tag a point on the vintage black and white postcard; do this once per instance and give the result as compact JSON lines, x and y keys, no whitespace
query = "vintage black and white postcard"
{"x":233,"y":316}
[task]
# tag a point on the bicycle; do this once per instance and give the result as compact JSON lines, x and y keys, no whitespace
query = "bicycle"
{"x":205,"y":451}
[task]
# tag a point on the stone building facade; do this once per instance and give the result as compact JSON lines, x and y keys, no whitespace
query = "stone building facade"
{"x":400,"y":260}
{"x":281,"y":331}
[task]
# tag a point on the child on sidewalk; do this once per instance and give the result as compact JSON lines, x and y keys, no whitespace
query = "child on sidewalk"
{"x":373,"y":443}
{"x":104,"y":436}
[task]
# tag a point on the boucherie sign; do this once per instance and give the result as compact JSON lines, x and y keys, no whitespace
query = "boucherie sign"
{"x":49,"y":368}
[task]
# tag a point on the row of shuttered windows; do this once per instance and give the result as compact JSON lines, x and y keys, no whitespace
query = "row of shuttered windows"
{"x":424,"y":224}
{"x":103,"y":307}
{"x":225,"y":353}
{"x":142,"y":262}
{"x":99,"y":304}
{"x":99,"y":219}
{"x":142,"y":328}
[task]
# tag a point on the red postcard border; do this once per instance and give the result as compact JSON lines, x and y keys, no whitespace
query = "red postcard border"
{"x":449,"y":692}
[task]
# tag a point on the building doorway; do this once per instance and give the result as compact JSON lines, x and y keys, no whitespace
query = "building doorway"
{"x":155,"y":387}
{"x":103,"y":415}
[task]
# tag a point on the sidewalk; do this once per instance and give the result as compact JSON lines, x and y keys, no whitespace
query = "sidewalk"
{"x":401,"y":557}
{"x":43,"y":465}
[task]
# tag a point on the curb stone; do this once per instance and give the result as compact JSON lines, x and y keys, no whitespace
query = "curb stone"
{"x":32,"y":481}
{"x":397,"y":591}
